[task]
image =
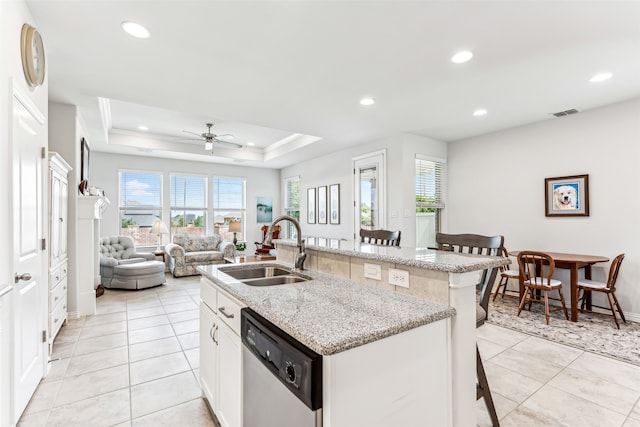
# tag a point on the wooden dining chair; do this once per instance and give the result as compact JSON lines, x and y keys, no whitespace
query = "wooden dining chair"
{"x":380,"y":237}
{"x":480,"y":245}
{"x":505,"y":275}
{"x":609,"y":288}
{"x":531,"y":265}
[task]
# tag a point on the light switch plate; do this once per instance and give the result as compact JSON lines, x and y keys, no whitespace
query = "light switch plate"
{"x":399,"y":277}
{"x":372,"y":271}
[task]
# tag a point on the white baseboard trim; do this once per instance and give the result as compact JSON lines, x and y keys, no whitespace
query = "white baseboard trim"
{"x":73,"y":315}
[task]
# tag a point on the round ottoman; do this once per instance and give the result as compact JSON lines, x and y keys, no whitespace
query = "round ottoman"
{"x":138,"y":275}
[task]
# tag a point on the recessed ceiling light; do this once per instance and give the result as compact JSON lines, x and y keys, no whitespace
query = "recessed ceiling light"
{"x":461,"y":57}
{"x":251,"y":143}
{"x":143,"y":127}
{"x":367,"y":101}
{"x":601,"y":77}
{"x":480,"y":112}
{"x":135,"y":30}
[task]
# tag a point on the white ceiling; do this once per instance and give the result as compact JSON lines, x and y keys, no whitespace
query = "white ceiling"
{"x":289,"y":75}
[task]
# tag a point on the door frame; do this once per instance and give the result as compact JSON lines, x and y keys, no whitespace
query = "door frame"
{"x":378,"y":159}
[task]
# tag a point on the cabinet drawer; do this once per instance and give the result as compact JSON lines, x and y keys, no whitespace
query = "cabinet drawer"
{"x":57,"y":316}
{"x":229,"y":312}
{"x":58,"y":274}
{"x":208,"y":294}
{"x":59,"y":293}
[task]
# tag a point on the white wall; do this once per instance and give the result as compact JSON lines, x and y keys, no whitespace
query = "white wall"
{"x":496,"y":186}
{"x":337,"y":168}
{"x":259,"y":182}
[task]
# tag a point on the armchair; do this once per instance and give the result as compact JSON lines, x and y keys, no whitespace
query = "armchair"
{"x":122,"y":267}
{"x":261,"y":248}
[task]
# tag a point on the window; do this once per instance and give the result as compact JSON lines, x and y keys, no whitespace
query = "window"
{"x":188,"y":204}
{"x":228,"y":205}
{"x":429,"y":200}
{"x":291,"y":204}
{"x":140,"y":204}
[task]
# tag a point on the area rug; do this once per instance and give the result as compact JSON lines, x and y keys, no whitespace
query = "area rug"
{"x":594,"y":333}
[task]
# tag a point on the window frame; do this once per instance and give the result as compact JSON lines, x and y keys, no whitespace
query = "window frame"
{"x":157,"y":211}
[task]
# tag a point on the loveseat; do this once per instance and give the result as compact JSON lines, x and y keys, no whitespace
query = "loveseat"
{"x":187,"y":252}
{"x":123,"y":268}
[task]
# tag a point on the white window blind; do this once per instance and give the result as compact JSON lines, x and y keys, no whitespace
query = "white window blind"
{"x":292,"y":194}
{"x":188,"y":192}
{"x":429,"y":184}
{"x":228,"y":193}
{"x":140,"y":190}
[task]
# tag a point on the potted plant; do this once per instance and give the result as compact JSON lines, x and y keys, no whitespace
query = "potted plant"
{"x":240,"y":248}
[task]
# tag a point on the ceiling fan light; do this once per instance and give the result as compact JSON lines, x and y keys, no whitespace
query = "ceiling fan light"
{"x":135,"y":30}
{"x":208,"y":145}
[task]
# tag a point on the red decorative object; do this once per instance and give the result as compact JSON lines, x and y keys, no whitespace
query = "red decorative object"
{"x":261,"y":248}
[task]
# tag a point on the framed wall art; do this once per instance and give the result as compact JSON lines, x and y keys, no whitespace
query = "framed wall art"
{"x":311,"y":205}
{"x":322,"y":205}
{"x":567,"y":196}
{"x":334,"y":204}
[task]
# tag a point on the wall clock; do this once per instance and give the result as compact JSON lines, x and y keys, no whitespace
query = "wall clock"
{"x":33,"y":61}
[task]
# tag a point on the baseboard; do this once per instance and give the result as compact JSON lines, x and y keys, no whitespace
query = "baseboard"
{"x":73,"y":315}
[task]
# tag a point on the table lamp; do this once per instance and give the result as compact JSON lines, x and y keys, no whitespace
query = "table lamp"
{"x":235,"y":227}
{"x":159,"y":228}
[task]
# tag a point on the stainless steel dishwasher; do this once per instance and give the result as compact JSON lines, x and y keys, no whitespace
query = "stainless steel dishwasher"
{"x":282,"y":378}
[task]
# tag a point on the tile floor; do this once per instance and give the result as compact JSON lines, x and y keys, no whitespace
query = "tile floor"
{"x":136,"y":363}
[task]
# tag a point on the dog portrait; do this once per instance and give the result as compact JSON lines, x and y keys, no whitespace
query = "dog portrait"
{"x":567,"y":196}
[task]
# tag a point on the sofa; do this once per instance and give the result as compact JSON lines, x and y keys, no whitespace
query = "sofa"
{"x":187,"y":252}
{"x":122,"y":267}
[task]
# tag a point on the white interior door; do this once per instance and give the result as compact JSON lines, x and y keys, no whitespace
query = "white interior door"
{"x":369,"y":191}
{"x":30,"y":287}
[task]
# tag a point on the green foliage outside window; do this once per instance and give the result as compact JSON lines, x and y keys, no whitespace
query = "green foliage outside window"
{"x":424,"y":200}
{"x":126,"y":222}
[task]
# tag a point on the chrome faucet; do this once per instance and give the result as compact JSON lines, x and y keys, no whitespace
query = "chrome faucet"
{"x":301,"y":255}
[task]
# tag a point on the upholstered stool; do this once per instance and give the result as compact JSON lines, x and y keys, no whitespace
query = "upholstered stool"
{"x":138,"y":275}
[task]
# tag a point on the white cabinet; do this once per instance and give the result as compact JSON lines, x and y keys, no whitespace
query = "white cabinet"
{"x":58,"y":208}
{"x":221,"y":353}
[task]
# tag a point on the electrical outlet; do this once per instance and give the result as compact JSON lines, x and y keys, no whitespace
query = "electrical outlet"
{"x":399,"y":277}
{"x":372,"y":271}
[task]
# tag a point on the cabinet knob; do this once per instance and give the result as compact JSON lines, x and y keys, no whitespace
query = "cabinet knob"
{"x":56,"y":299}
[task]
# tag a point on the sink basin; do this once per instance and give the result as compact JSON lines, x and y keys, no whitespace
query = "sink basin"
{"x":265,"y":276}
{"x":257,"y":272}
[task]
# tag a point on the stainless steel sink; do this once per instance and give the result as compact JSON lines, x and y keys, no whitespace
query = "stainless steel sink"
{"x":265,"y":276}
{"x":256,"y":272}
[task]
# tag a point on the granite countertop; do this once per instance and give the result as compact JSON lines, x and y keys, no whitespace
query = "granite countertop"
{"x":416,"y":257}
{"x":330,"y":314}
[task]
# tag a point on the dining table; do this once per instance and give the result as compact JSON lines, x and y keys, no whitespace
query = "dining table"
{"x":573,"y":263}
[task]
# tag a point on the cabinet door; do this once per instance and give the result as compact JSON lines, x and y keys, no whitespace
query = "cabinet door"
{"x":208,"y":355}
{"x":230,"y":360}
{"x":64,"y":200}
{"x":54,"y":241}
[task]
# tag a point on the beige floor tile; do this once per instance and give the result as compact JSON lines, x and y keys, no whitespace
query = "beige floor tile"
{"x":100,"y":330}
{"x":150,"y":334}
{"x":183,"y":306}
{"x":147,"y":322}
{"x":104,"y":410}
{"x":609,"y":369}
{"x":103,"y":319}
{"x":193,"y":356}
{"x":503,"y":407}
{"x":571,"y":410}
{"x":525,"y":417}
{"x":57,"y":369}
{"x":75,"y":323}
{"x":178,"y":299}
{"x":635,"y":412}
{"x":512,"y":384}
{"x":604,"y":393}
{"x":92,"y":384}
{"x":68,"y":334}
{"x":489,"y":349}
{"x":111,"y":307}
{"x":145,"y":312}
{"x":96,"y":361}
{"x":549,"y":351}
{"x":195,"y":411}
{"x":186,"y":327}
{"x":188,"y":341}
{"x":164,"y":393}
{"x":44,"y":397}
{"x":182,"y":316}
{"x":631,"y":422}
{"x":34,"y":420}
{"x":158,"y":367}
{"x":148,"y":349}
{"x":94,"y":345}
{"x":143,"y":304}
{"x":527,"y":365}
{"x":62,"y":350}
{"x":499,"y":335}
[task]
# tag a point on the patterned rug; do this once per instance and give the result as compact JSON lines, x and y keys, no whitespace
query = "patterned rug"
{"x":594,"y":333}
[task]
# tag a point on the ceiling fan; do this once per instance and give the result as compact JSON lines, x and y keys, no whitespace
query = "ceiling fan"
{"x":210,"y":138}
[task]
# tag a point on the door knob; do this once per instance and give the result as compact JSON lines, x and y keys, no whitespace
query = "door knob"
{"x":23,"y":276}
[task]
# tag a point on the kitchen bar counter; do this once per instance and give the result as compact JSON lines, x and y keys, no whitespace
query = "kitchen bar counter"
{"x":330,"y":314}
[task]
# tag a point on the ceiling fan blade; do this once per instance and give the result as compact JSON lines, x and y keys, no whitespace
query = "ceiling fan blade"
{"x":229,"y":144}
{"x":193,"y":133}
{"x":188,"y":140}
{"x":224,"y":135}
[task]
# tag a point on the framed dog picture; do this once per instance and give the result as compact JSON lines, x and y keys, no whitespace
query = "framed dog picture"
{"x":567,"y":196}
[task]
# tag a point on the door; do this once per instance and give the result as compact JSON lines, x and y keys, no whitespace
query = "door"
{"x":369,"y":191}
{"x":28,"y":138}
